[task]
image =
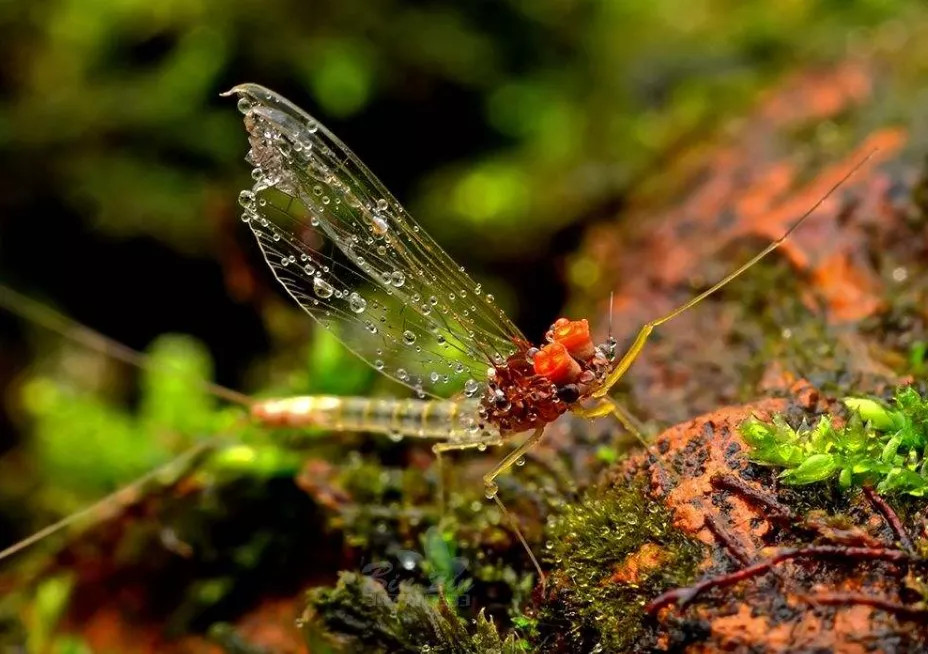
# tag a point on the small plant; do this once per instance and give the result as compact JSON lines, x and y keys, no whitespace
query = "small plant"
{"x":880,"y":445}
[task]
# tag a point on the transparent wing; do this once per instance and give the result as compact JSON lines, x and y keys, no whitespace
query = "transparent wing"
{"x":352,"y":257}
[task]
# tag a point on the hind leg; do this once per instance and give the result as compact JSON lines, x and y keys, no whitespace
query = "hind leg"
{"x":492,"y":492}
{"x":441,"y":448}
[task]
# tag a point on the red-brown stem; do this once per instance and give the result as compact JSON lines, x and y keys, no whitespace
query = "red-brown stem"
{"x":721,"y":534}
{"x":850,"y":599}
{"x":683,"y":596}
{"x":732,"y":483}
{"x":891,"y":517}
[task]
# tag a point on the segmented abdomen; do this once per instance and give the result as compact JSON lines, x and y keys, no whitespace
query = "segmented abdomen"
{"x":446,"y":420}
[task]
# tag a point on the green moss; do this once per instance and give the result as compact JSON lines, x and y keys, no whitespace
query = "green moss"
{"x":360,"y":615}
{"x":881,"y":445}
{"x":590,"y":541}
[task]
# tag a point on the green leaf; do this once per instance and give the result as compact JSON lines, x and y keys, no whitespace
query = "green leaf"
{"x":845,"y":478}
{"x":890,"y":449}
{"x":817,"y":467}
{"x":902,"y":480}
{"x":756,"y":433}
{"x":823,"y":436}
{"x":874,"y":412}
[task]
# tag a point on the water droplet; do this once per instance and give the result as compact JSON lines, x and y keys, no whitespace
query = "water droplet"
{"x":471,"y":386}
{"x":395,"y":435}
{"x":357,"y":303}
{"x":378,"y":364}
{"x":397,"y":278}
{"x":408,"y":337}
{"x":322,"y":288}
{"x":433,"y":300}
{"x":382,"y":204}
{"x":434,"y":376}
{"x":459,"y":368}
{"x":379,"y":225}
{"x":309,"y":269}
{"x":401,"y":374}
{"x":482,"y":447}
{"x":490,"y":297}
{"x":312,"y":127}
{"x":247,"y":199}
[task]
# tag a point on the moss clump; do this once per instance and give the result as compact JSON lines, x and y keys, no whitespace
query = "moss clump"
{"x":359,"y":614}
{"x":880,"y":445}
{"x":613,"y":552}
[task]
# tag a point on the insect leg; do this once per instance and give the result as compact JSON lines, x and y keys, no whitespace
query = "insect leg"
{"x":489,"y":479}
{"x":492,"y":492}
{"x":608,"y":406}
{"x":638,"y":344}
{"x":438,"y":448}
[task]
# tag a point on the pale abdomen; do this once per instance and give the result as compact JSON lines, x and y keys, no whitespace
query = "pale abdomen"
{"x":446,"y":420}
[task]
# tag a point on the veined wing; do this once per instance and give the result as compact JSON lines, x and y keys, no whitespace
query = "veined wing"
{"x":353,"y":258}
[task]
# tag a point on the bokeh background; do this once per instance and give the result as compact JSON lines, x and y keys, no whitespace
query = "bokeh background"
{"x":507,"y":127}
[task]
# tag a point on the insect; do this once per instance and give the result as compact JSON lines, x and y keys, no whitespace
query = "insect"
{"x":396,"y":299}
{"x":351,"y":256}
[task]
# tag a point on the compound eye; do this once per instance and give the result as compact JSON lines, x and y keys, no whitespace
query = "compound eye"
{"x":573,"y":335}
{"x":569,"y":393}
{"x":554,"y":362}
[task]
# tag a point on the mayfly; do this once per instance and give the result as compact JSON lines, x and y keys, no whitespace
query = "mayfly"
{"x":352,"y":257}
{"x":396,"y":299}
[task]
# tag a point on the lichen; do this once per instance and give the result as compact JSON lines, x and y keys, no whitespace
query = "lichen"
{"x":612,"y":553}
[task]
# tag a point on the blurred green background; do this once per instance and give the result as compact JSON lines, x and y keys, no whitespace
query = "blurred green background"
{"x":507,"y":127}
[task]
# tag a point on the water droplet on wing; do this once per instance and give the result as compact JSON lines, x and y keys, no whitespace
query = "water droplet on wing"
{"x":471,"y":386}
{"x":357,"y":303}
{"x":322,"y":288}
